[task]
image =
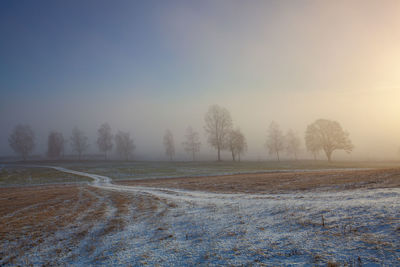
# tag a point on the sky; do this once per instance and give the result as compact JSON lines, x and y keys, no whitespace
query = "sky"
{"x":148,"y":66}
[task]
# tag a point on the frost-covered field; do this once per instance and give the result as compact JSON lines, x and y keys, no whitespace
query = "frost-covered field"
{"x":313,"y":228}
{"x":147,"y":170}
{"x":156,"y":226}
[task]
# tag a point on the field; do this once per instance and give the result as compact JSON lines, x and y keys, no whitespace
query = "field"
{"x":149,"y":170}
{"x":256,"y":214}
{"x":12,"y":175}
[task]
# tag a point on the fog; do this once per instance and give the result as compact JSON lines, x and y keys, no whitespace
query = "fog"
{"x":375,"y":137}
{"x":289,"y":63}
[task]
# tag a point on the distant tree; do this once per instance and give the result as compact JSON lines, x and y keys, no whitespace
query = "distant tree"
{"x":124,"y":145}
{"x":312,"y":143}
{"x":236,"y":143}
{"x":241,"y":147}
{"x":104,"y":139}
{"x":55,"y":144}
{"x":79,"y":141}
{"x":169,"y":144}
{"x":293,"y":143}
{"x":275,"y":140}
{"x":328,"y":136}
{"x":232,"y":141}
{"x":218,"y":125}
{"x":192,"y":143}
{"x":22,"y":140}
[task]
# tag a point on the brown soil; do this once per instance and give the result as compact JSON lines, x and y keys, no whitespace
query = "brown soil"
{"x":279,"y":182}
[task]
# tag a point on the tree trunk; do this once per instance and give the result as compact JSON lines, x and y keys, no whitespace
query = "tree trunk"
{"x":233,"y":156}
{"x":277,"y":155}
{"x":239,"y":157}
{"x":219,"y":154}
{"x":329,"y":155}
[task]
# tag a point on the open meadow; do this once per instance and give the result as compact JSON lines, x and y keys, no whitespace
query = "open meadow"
{"x":347,"y":214}
{"x":200,"y":133}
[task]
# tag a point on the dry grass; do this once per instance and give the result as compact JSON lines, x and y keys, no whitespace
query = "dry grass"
{"x":280,"y":182}
{"x":18,"y":175}
{"x":34,"y":211}
{"x":30,"y":216}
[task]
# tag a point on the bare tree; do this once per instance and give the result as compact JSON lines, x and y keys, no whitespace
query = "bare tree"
{"x":104,"y":140}
{"x":218,"y":125}
{"x":192,"y":143}
{"x":293,"y":143}
{"x":169,"y":144}
{"x":55,"y":144}
{"x":312,"y":144}
{"x":79,"y":141}
{"x":22,"y":140}
{"x":242,"y":145}
{"x":237,"y":143}
{"x":124,"y":145}
{"x":275,"y":140}
{"x":328,"y":136}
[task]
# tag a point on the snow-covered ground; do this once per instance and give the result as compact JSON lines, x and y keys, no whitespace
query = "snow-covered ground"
{"x":198,"y":228}
{"x":358,"y":226}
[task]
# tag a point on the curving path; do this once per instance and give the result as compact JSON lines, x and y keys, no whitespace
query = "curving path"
{"x":342,"y":197}
{"x":188,"y":228}
{"x":105,"y":182}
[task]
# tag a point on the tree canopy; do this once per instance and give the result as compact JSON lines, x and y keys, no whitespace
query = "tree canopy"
{"x":22,"y":140}
{"x":218,"y":125}
{"x":327,"y":135}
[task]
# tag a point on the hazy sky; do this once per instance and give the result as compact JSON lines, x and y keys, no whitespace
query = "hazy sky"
{"x":145,"y":66}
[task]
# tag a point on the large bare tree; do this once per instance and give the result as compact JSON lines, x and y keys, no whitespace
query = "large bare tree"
{"x":218,"y":125}
{"x":192,"y":143}
{"x":293,"y":143}
{"x":169,"y":144}
{"x":124,"y":145}
{"x":327,"y":135}
{"x":236,"y":143}
{"x":55,"y":144}
{"x":22,"y":140}
{"x":275,"y":140}
{"x":104,"y":139}
{"x":79,"y":141}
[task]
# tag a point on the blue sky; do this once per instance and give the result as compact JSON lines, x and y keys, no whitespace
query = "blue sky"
{"x":75,"y":45}
{"x":149,"y":65}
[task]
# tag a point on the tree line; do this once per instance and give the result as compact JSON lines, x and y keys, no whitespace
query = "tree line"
{"x":22,"y":141}
{"x":322,"y":135}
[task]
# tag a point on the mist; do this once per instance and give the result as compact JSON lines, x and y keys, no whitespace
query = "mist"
{"x":291,"y":64}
